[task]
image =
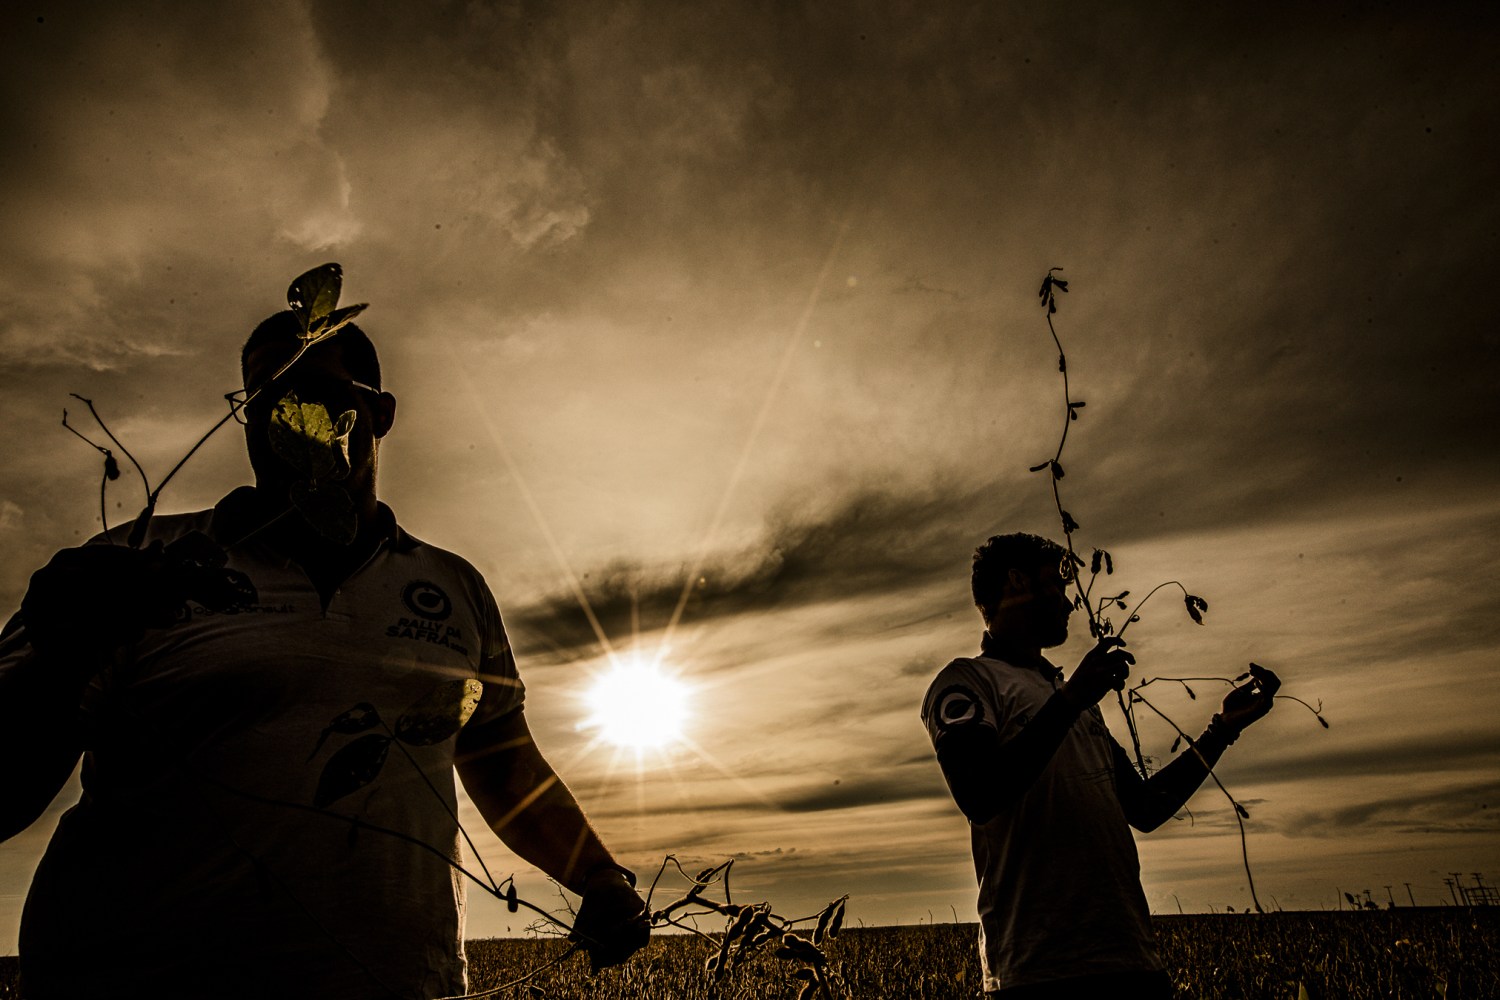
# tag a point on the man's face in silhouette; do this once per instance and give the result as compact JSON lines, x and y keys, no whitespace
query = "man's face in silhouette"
{"x":319,"y":376}
{"x":1047,"y":606}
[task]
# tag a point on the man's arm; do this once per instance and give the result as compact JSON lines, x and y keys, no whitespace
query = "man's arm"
{"x":986,"y":775}
{"x":526,"y":803}
{"x":77,"y":610}
{"x":531,"y":810}
{"x":1150,"y":802}
{"x":39,"y":735}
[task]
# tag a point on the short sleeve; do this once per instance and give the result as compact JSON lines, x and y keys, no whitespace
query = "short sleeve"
{"x":959,"y":697}
{"x":503,"y":690}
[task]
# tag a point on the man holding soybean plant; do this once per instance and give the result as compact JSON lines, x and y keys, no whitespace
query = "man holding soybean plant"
{"x":1049,"y":795}
{"x":270,"y":699}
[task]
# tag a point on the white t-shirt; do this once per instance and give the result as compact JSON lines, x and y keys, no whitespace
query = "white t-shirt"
{"x":203,"y":845}
{"x":1059,"y":878}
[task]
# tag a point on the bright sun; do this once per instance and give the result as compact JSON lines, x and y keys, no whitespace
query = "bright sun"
{"x":636,"y":705}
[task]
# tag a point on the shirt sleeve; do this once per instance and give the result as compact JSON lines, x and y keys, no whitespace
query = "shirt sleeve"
{"x":503,"y":690}
{"x":959,"y":698}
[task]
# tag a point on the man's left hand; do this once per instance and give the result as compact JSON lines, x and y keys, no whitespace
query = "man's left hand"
{"x":612,"y":921}
{"x":1251,"y":700}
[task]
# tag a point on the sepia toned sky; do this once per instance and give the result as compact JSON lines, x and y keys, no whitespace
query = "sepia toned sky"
{"x":736,"y":302}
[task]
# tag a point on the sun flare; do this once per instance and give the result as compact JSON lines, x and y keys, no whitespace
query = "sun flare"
{"x":636,"y":704}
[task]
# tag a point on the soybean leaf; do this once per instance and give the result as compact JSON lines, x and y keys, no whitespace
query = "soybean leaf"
{"x":440,"y":713}
{"x":326,"y":326}
{"x":314,"y":294}
{"x":1195,"y":607}
{"x":352,"y":768}
{"x":308,"y":439}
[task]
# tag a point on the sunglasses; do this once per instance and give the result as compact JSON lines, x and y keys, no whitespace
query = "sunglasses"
{"x":323,"y":390}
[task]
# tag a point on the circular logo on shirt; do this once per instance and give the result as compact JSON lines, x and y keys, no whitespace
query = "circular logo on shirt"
{"x":957,"y":706}
{"x":426,"y":599}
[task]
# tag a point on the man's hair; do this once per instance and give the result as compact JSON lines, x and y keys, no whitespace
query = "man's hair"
{"x":285,"y":328}
{"x":994,"y":560}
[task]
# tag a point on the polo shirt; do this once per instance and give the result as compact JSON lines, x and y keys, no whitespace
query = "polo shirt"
{"x":241,"y":772}
{"x":1059,"y":877}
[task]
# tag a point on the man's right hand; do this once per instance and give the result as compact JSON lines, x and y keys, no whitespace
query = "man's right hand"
{"x":1104,"y":668}
{"x":612,"y":921}
{"x":89,"y":600}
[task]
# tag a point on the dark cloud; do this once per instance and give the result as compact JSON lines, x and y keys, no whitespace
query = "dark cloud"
{"x":1472,"y":808}
{"x":901,"y":786}
{"x":1424,"y":754}
{"x":864,"y":544}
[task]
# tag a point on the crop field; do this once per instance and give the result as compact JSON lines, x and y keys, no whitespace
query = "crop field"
{"x":1451,"y":954}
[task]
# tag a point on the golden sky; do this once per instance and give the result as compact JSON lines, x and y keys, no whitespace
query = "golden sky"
{"x":746,"y":294}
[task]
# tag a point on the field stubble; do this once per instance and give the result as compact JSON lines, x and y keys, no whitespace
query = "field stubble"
{"x":1401,"y":954}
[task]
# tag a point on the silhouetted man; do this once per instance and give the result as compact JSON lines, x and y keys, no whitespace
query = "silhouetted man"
{"x":1050,"y":795}
{"x":268,"y":802}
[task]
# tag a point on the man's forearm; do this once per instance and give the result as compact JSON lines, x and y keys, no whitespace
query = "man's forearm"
{"x":1151,"y":802}
{"x":528,"y":806}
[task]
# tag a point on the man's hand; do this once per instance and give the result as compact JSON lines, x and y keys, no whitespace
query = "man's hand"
{"x":612,"y":922}
{"x":1104,"y":668}
{"x":1251,"y":700}
{"x":89,"y":600}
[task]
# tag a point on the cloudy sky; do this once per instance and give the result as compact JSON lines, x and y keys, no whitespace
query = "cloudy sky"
{"x":737,"y":302}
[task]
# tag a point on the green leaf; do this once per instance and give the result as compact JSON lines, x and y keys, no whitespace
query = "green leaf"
{"x":309,"y":440}
{"x":352,"y":768}
{"x":328,"y":509}
{"x":440,"y":713}
{"x":314,"y":294}
{"x":327,"y":326}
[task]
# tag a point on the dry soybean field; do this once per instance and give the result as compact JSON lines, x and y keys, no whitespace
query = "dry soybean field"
{"x":1451,"y":954}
